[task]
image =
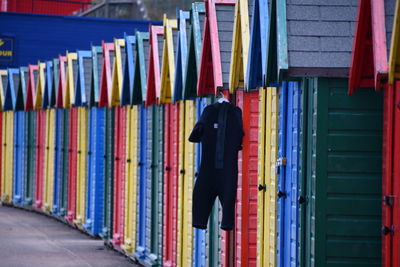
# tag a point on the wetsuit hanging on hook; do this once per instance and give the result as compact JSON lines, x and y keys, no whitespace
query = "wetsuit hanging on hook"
{"x":220,"y":131}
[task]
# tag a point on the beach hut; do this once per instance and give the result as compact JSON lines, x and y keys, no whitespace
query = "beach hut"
{"x":20,"y":135}
{"x":57,"y":146}
{"x":18,"y":130}
{"x":188,"y":87}
{"x":171,"y":141}
{"x":119,"y":143}
{"x":8,"y":143}
{"x":214,"y":78}
{"x":267,"y":134}
{"x":326,"y":179}
{"x":138,"y":97}
{"x":50,"y":140}
{"x":62,"y":139}
{"x":131,"y":169}
{"x":31,"y":134}
{"x":370,"y":69}
{"x":154,"y":153}
{"x":183,"y":114}
{"x":82,"y":86}
{"x":391,"y":241}
{"x":40,"y":136}
{"x":71,"y":76}
{"x":246,"y":207}
{"x":105,"y":88}
{"x":96,"y":147}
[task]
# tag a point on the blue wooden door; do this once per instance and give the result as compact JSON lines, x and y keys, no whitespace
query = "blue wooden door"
{"x":95,"y":171}
{"x":288,"y":168}
{"x":141,"y":236}
{"x":19,"y":157}
{"x":58,"y":160}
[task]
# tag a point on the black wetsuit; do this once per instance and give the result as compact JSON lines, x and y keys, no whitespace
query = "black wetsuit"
{"x":220,"y":131}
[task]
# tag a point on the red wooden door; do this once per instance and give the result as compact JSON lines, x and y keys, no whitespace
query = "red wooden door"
{"x":245,"y":240}
{"x":40,"y":154}
{"x":396,"y":177}
{"x":119,"y":175}
{"x":171,"y":172}
{"x":1,"y":145}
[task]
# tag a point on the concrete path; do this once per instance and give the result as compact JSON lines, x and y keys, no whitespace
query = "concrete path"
{"x":30,"y":239}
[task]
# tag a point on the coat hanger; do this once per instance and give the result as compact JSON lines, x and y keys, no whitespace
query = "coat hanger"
{"x":221,"y":98}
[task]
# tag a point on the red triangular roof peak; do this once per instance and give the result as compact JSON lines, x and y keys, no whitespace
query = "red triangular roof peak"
{"x":210,"y":76}
{"x":369,"y":61}
{"x":30,"y":93}
{"x":106,"y":72}
{"x":153,"y":73}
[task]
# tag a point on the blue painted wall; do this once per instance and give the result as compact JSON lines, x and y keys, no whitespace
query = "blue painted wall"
{"x":43,"y":37}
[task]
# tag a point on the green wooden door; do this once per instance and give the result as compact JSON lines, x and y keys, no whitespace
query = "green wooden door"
{"x":31,"y":155}
{"x":109,"y":175}
{"x":343,"y":176}
{"x":65,"y":152}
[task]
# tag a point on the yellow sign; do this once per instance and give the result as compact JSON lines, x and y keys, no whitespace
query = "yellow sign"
{"x":6,"y":49}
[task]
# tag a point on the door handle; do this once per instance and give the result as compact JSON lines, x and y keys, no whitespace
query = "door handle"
{"x":281,"y":194}
{"x":302,"y":200}
{"x":262,"y":187}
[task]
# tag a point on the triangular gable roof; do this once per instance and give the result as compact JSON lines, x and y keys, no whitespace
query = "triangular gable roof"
{"x":97,"y":57}
{"x":48,"y":84}
{"x":41,"y":83}
{"x":153,"y":74}
{"x":31,"y":90}
{"x":181,"y":54}
{"x":71,"y":76}
{"x":61,"y":81}
{"x":197,"y":18}
{"x":369,"y":64}
{"x":394,"y":59}
{"x":240,"y":44}
{"x":11,"y":89}
{"x":22,"y":87}
{"x":53,"y":90}
{"x":3,"y":86}
{"x":117,"y":72}
{"x":256,"y":63}
{"x":130,"y":52}
{"x":141,"y":66}
{"x":106,"y":73}
{"x":84,"y":83}
{"x":168,"y":61}
{"x":217,"y":42}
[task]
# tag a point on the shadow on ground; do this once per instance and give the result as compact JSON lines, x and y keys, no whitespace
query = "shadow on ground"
{"x":30,"y":239}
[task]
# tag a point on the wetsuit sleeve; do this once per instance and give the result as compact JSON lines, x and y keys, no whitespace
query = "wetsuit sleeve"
{"x":238,"y":112}
{"x":198,"y":130}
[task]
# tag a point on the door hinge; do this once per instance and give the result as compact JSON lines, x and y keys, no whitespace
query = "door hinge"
{"x":388,"y":200}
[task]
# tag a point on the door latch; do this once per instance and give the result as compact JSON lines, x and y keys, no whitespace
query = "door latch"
{"x":387,"y":230}
{"x":280,"y":162}
{"x":262,"y":187}
{"x":281,"y":194}
{"x":302,"y":200}
{"x":388,"y":200}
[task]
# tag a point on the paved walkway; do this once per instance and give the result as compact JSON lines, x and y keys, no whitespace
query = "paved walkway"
{"x":30,"y":239}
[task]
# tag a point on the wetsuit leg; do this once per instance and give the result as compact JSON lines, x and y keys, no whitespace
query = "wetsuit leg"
{"x":204,"y":195}
{"x":227,"y":195}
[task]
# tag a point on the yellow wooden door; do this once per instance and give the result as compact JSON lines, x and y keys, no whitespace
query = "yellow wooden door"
{"x":131,"y":180}
{"x":268,"y":122}
{"x":81,"y":162}
{"x":49,"y":161}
